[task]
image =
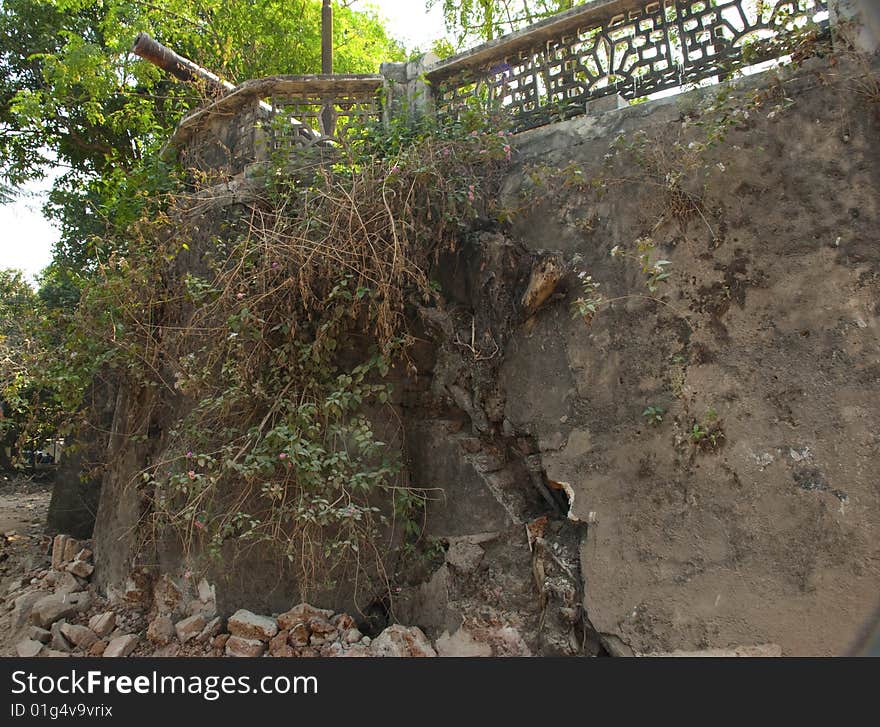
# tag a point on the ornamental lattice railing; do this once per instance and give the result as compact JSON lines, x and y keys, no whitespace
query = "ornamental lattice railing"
{"x":275,"y":118}
{"x":552,"y":70}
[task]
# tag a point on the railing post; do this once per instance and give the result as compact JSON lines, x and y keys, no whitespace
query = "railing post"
{"x":406,"y":90}
{"x":860,"y":22}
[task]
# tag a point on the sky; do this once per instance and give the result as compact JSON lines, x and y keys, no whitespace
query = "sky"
{"x":26,"y":237}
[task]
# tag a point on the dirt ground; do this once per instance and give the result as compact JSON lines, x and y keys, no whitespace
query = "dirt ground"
{"x":24,"y":503}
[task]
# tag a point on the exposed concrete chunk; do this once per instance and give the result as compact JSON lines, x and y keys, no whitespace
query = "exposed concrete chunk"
{"x":67,"y":582}
{"x":103,"y":623}
{"x":57,"y":640}
{"x":49,"y":609}
{"x":161,"y":630}
{"x":464,"y":555}
{"x":242,"y":647}
{"x":28,"y":648}
{"x":466,"y":504}
{"x":461,"y":643}
{"x":189,"y":628}
{"x":23,"y":607}
{"x":80,"y":636}
{"x":38,"y":634}
{"x":121,"y":646}
{"x":81,"y":568}
{"x":400,"y":640}
{"x":301,"y":614}
{"x":251,"y":626}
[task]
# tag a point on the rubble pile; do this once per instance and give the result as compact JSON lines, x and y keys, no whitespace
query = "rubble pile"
{"x":57,"y":612}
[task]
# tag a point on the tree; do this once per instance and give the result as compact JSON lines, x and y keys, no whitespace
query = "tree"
{"x":473,"y":21}
{"x":73,"y":97}
{"x":18,"y":304}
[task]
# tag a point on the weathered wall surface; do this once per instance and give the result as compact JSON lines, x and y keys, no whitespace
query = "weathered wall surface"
{"x":766,"y":334}
{"x":768,"y":330}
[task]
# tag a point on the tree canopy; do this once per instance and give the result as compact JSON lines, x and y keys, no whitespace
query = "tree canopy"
{"x":73,"y":98}
{"x":472,"y":21}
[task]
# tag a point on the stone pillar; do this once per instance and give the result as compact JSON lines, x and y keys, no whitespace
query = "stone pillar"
{"x":859,"y":21}
{"x":406,"y":90}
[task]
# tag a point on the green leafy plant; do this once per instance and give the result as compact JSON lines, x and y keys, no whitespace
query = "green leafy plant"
{"x":654,"y":414}
{"x":276,"y":336}
{"x":707,"y":434}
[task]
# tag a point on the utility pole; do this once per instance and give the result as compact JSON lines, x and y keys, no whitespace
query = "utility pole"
{"x":327,"y":38}
{"x":328,"y":113}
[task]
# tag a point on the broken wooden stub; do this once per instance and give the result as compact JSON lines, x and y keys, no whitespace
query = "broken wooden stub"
{"x":545,"y":276}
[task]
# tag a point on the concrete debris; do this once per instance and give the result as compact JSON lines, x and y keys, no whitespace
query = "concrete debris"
{"x":464,"y":555}
{"x":57,"y":640}
{"x":189,"y":628}
{"x":38,"y":634}
{"x":121,"y":646}
{"x":28,"y":648}
{"x":80,"y":636}
{"x":301,"y":614}
{"x":81,"y":568}
{"x":49,"y":609}
{"x":461,"y":643}
{"x":161,"y":630}
{"x":404,"y":641}
{"x":242,"y":647}
{"x":249,"y":625}
{"x":103,"y":623}
{"x":211,"y":629}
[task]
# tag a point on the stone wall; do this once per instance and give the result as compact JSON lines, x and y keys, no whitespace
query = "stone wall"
{"x":567,"y":521}
{"x":767,"y":331}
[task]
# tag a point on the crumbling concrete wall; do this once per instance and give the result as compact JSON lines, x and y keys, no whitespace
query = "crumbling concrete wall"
{"x":767,"y":330}
{"x":564,"y":520}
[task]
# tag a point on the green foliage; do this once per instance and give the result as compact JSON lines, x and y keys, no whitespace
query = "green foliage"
{"x":654,"y":414}
{"x":30,"y":410}
{"x":281,"y":331}
{"x":655,"y":271}
{"x":707,"y":434}
{"x":74,"y":97}
{"x":480,"y":20}
{"x":587,"y":305}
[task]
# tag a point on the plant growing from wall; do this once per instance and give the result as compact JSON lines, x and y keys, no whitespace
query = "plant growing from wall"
{"x":275,"y":331}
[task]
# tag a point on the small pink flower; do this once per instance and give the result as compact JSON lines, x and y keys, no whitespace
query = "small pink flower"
{"x":240,"y":296}
{"x":189,"y":454}
{"x":199,"y":524}
{"x":395,"y":169}
{"x":501,"y":133}
{"x":283,"y":455}
{"x":274,"y":265}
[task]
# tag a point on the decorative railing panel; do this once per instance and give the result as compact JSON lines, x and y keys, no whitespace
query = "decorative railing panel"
{"x":608,"y":47}
{"x":330,"y":113}
{"x":267,"y":119}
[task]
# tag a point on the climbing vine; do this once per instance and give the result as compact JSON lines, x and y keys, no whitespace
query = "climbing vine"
{"x":258,"y":345}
